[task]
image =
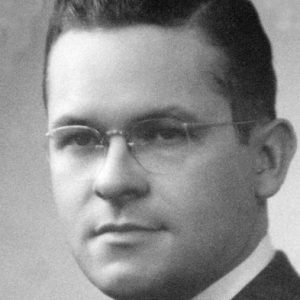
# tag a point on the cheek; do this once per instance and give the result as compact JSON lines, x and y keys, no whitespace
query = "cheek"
{"x":210,"y":207}
{"x":226,"y":181}
{"x":70,"y":194}
{"x":211,"y":192}
{"x":71,"y":191}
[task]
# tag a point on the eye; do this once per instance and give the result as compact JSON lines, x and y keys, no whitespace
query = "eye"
{"x":76,"y":137}
{"x":82,"y":139}
{"x":197,"y":132}
{"x":165,"y":132}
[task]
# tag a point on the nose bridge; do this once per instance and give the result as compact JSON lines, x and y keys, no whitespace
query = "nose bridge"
{"x":120,"y":174}
{"x":116,"y":161}
{"x":114,"y":132}
{"x":118,"y":150}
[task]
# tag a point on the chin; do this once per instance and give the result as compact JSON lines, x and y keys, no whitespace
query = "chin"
{"x":131,"y":292}
{"x":125,"y":283}
{"x":127,"y":286}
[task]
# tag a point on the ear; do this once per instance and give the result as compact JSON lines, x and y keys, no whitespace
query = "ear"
{"x":275,"y":145}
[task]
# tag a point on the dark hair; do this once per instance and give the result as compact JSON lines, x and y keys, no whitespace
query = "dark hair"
{"x":231,"y":25}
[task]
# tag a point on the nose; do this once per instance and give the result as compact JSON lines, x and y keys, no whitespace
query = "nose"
{"x":120,"y":179}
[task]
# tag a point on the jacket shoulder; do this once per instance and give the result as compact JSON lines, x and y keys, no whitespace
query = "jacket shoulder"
{"x":278,"y":281}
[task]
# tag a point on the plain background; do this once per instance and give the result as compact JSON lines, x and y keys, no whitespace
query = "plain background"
{"x":34,"y":259}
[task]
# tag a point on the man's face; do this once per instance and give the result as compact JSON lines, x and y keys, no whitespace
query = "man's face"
{"x":189,"y":226}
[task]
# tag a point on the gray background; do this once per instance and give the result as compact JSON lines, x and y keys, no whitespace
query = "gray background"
{"x":34,"y":260}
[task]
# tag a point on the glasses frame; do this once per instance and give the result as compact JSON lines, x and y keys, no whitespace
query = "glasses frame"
{"x":104,"y":137}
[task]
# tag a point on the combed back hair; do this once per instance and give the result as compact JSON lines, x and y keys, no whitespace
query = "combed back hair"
{"x":233,"y":26}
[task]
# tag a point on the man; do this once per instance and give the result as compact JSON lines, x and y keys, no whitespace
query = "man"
{"x":165,"y":146}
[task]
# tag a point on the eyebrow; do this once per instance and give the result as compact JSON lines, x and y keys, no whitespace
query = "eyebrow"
{"x":176,"y":112}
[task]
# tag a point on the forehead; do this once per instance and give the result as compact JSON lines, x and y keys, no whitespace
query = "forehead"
{"x":142,"y":67}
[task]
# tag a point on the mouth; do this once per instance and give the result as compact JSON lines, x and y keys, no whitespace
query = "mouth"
{"x":125,"y":228}
{"x":129,"y":235}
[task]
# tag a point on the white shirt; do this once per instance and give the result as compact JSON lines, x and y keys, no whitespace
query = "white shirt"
{"x":232,"y":283}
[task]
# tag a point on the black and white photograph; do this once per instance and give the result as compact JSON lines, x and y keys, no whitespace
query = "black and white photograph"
{"x":149,"y":150}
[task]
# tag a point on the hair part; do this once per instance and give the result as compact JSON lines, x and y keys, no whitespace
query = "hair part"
{"x":233,"y":26}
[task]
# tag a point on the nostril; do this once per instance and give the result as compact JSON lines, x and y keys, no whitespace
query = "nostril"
{"x":120,"y":199}
{"x":120,"y":188}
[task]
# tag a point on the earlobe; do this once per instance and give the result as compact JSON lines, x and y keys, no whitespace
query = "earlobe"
{"x":275,"y":148}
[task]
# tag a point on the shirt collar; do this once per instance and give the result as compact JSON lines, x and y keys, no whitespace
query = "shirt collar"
{"x":232,"y":283}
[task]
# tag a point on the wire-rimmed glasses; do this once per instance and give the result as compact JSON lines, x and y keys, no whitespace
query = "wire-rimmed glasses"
{"x":159,"y":145}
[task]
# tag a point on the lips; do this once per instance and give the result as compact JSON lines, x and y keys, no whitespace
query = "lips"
{"x":124,"y":228}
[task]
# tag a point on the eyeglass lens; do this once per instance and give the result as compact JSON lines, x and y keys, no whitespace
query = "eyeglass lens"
{"x":157,"y":145}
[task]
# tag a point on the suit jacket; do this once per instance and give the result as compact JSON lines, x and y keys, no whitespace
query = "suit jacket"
{"x":278,"y":281}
